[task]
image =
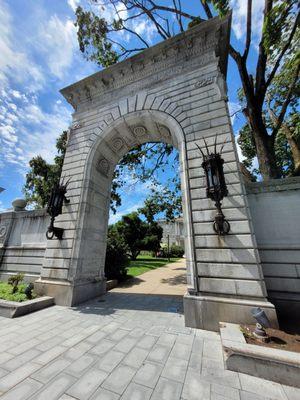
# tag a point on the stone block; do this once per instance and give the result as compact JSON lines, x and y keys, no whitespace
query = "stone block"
{"x":167,"y":390}
{"x":205,"y":312}
{"x":119,"y":379}
{"x":148,"y":374}
{"x":136,"y":392}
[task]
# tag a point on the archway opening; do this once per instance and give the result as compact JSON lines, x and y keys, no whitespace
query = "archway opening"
{"x":145,"y":241}
{"x":135,"y":130}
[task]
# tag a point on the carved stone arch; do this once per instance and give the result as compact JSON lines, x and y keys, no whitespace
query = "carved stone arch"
{"x":174,"y":92}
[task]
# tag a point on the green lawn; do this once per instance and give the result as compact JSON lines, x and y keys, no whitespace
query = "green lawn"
{"x":145,"y":263}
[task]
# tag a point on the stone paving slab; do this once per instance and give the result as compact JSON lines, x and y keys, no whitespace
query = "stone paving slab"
{"x":122,"y":346}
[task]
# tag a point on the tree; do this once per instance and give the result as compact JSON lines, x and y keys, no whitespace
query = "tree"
{"x":143,"y":163}
{"x":100,"y":41}
{"x":138,"y":235}
{"x":42,"y":176}
{"x":133,"y":230}
{"x":164,"y":201}
{"x":116,"y":260}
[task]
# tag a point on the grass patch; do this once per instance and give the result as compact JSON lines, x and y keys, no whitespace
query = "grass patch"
{"x":145,"y":263}
{"x":6,"y":292}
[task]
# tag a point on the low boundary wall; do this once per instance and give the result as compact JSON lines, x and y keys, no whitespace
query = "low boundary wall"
{"x":22,"y":243}
{"x":275,"y":211}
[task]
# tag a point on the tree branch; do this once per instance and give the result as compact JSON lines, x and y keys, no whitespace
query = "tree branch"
{"x":249,"y":28}
{"x":262,"y":61}
{"x":283,"y":51}
{"x":284,"y":107}
{"x":206,"y":9}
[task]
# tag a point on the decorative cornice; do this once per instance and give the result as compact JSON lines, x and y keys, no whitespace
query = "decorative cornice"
{"x":203,"y":42}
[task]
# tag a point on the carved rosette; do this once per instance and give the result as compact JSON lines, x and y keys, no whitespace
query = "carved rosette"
{"x":139,"y":131}
{"x":103,"y":166}
{"x":117,"y":144}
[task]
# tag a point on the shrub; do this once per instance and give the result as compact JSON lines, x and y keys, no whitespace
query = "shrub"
{"x":14,"y":281}
{"x":176,"y":251}
{"x":116,"y":260}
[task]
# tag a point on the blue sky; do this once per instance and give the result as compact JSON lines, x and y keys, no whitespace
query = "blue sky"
{"x":39,"y":56}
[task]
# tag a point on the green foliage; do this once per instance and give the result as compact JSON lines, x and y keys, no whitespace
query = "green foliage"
{"x":92,"y":37}
{"x":14,"y":281}
{"x":138,"y":235}
{"x":284,"y":159}
{"x":247,"y":145}
{"x":19,"y":295}
{"x":42,"y":176}
{"x":176,"y":251}
{"x":165,"y":201}
{"x":143,"y":163}
{"x":152,"y":239}
{"x":276,"y":25}
{"x":116,"y":260}
{"x":133,"y":231}
{"x":221,"y":6}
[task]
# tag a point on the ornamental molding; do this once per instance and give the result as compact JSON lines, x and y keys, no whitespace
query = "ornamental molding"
{"x":164,"y":131}
{"x":3,"y":230}
{"x":117,"y":144}
{"x":139,"y":131}
{"x":103,"y":166}
{"x":204,"y":82}
{"x":194,"y":48}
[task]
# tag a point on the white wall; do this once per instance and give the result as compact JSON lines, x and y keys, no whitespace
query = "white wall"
{"x":275,"y":210}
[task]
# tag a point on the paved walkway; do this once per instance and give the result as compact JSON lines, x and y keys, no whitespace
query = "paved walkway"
{"x":167,"y":280}
{"x":120,"y":347}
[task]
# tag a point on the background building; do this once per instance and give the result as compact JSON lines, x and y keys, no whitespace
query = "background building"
{"x":175,"y":231}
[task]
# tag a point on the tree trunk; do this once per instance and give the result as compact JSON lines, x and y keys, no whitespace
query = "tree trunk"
{"x":295,"y":149}
{"x":264,"y":144}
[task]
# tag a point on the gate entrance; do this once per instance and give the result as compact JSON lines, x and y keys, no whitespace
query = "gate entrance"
{"x":174,"y":92}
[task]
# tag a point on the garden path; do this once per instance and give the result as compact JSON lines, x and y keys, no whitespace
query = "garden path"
{"x":167,"y":280}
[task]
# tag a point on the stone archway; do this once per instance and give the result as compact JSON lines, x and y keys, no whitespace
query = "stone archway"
{"x":174,"y":92}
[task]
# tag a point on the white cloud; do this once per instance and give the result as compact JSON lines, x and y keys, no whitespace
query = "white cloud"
{"x":144,"y":28}
{"x":16,"y":94}
{"x":73,"y":4}
{"x":32,"y":131}
{"x":113,"y":218}
{"x":58,"y":42}
{"x":13,"y":61}
{"x":239,"y":18}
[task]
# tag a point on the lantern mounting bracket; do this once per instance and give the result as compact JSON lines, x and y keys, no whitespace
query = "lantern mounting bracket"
{"x":221,"y":225}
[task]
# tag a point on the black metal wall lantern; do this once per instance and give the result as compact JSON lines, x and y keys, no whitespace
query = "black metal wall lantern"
{"x":216,"y":188}
{"x":54,"y":208}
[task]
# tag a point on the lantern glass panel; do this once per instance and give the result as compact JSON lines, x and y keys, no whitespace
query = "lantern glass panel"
{"x":210,"y":178}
